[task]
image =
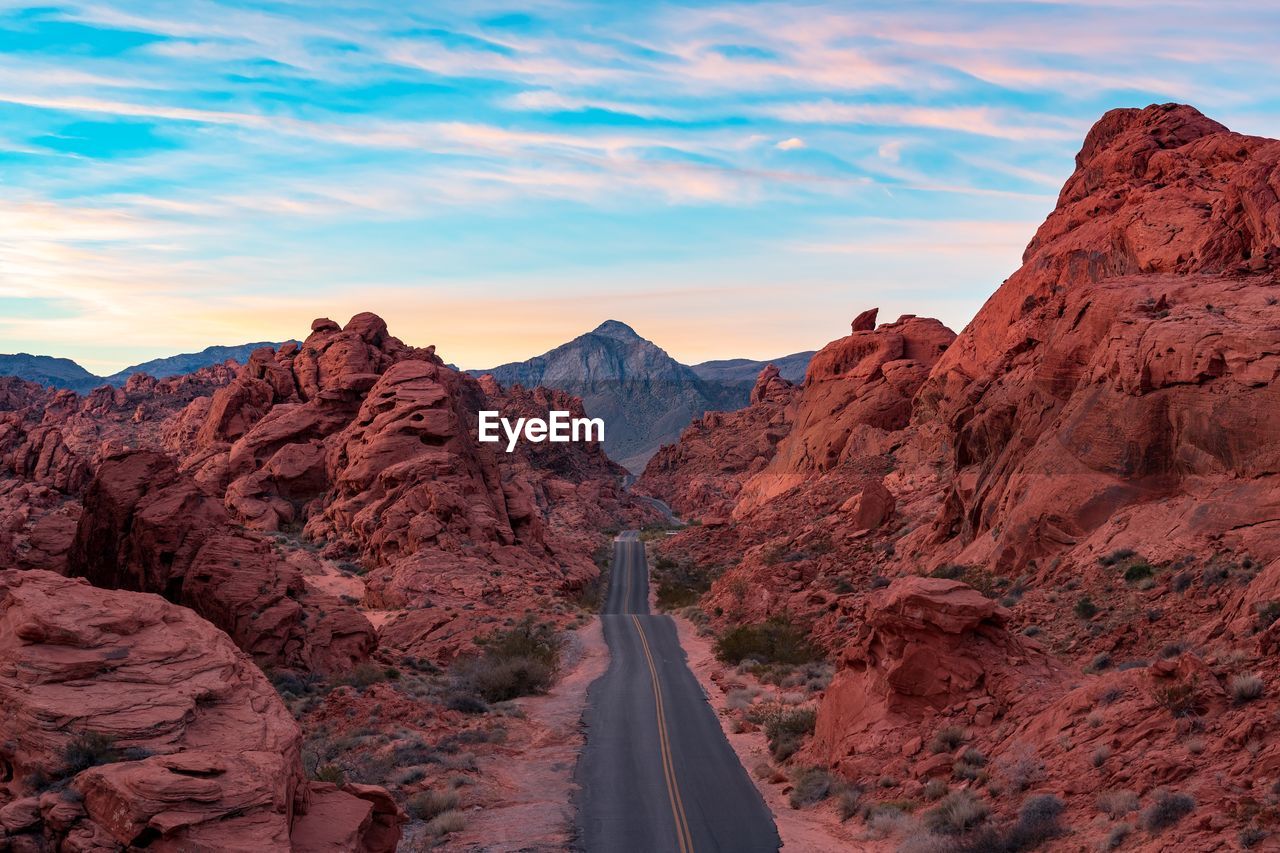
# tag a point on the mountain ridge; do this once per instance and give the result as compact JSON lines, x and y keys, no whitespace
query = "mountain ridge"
{"x":646,"y":396}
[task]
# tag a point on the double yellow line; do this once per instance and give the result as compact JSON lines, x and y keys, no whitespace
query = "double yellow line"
{"x":668,"y":766}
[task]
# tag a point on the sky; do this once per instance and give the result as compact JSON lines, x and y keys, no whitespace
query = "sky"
{"x":731,"y":179}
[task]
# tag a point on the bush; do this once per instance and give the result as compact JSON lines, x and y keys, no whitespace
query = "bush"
{"x":1085,"y":608}
{"x":812,"y":785}
{"x":499,"y":679}
{"x":431,"y":804}
{"x":1117,"y":804}
{"x":947,"y":739}
{"x":956,"y":813}
{"x":1138,"y":571}
{"x":1252,"y":836}
{"x":364,"y":675}
{"x":1117,"y":835}
{"x":774,"y":641}
{"x":331,"y":773}
{"x":848,"y":804}
{"x":787,"y":730}
{"x":447,"y":823}
{"x":89,"y":749}
{"x":1268,"y":612}
{"x":521,"y":661}
{"x":1168,"y":808}
{"x":1247,"y":688}
{"x":1180,"y":698}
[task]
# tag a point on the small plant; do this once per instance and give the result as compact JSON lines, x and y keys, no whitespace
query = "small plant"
{"x":1117,"y":804}
{"x":1252,"y":836}
{"x":948,"y":739}
{"x":969,"y":765}
{"x":446,"y":823}
{"x":1247,"y":688}
{"x":331,"y":773}
{"x":1139,"y":571}
{"x":431,"y":804}
{"x":1267,"y":613}
{"x":521,"y":661}
{"x":364,"y":675}
{"x":1168,"y":808}
{"x":1117,"y":835}
{"x":1100,"y":756}
{"x":847,"y":805}
{"x":812,"y":785}
{"x":956,"y":813}
{"x":934,"y":789}
{"x":89,"y":749}
{"x":787,"y":730}
{"x":1117,"y":556}
{"x":774,"y":641}
{"x":1085,"y":608}
{"x":1180,"y":698}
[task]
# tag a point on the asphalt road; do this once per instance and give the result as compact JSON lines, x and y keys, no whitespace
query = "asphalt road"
{"x":656,"y":773}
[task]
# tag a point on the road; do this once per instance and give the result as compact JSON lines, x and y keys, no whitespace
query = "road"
{"x":656,"y":773}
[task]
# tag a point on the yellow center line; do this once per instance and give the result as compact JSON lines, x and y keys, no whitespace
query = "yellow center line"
{"x":668,"y":766}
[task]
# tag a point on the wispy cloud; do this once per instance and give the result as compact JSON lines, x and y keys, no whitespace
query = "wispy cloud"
{"x":188,"y":156}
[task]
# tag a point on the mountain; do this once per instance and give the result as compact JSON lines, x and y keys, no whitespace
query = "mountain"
{"x":744,"y":371}
{"x":65,"y":373}
{"x":645,"y":396}
{"x":47,"y":370}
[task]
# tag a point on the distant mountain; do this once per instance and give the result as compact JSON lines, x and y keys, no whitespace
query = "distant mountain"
{"x":47,"y":370}
{"x":65,"y":373}
{"x":744,"y":370}
{"x":645,"y":396}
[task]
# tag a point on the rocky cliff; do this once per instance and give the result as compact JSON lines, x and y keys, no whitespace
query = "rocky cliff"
{"x":1096,"y":451}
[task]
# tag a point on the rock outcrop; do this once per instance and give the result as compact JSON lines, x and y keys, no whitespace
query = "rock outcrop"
{"x":147,"y":527}
{"x":701,"y":475}
{"x":129,"y":722}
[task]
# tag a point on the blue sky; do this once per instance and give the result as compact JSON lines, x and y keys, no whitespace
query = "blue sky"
{"x":733,"y":179}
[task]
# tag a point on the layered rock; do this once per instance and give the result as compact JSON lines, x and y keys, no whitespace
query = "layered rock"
{"x":148,"y":527}
{"x":925,"y":648}
{"x":130,"y":722}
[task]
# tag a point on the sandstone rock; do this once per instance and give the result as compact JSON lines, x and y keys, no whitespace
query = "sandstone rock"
{"x":148,"y":527}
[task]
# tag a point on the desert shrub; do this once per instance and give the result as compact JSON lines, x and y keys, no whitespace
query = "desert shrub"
{"x":1267,"y":613}
{"x":1117,"y":836}
{"x":1179,"y":698}
{"x":1166,"y":809}
{"x":811,"y":785}
{"x":1247,"y":688}
{"x":956,"y":813}
{"x":947,"y":739}
{"x":969,"y":765}
{"x":1117,"y":556}
{"x":467,"y":703}
{"x":89,"y":749}
{"x":431,"y":804}
{"x":1172,"y":650}
{"x":520,"y":661}
{"x":500,"y":679}
{"x":1139,"y":571}
{"x":773,"y":641}
{"x":330,"y":773}
{"x":364,"y":675}
{"x":1100,"y":756}
{"x":446,"y":823}
{"x":848,"y":803}
{"x":1085,"y":608}
{"x":1252,"y":836}
{"x":786,"y":730}
{"x":1019,"y":768}
{"x":934,"y":789}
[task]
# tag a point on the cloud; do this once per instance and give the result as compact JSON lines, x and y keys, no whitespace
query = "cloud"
{"x":791,"y":144}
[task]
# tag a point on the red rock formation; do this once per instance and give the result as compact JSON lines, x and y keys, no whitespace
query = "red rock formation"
{"x":1097,"y":448}
{"x":162,"y":732}
{"x":924,"y":647}
{"x":147,"y":527}
{"x":701,"y":475}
